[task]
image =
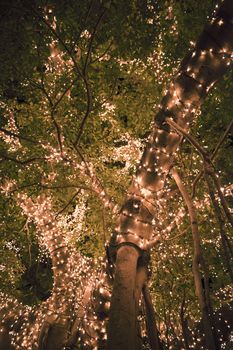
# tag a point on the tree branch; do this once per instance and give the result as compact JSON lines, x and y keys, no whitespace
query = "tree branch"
{"x":221,"y":141}
{"x":223,"y":236}
{"x":198,"y":260}
{"x":208,"y":166}
{"x":68,"y":203}
{"x":97,"y":186}
{"x":191,"y":139}
{"x":20,"y":137}
{"x":21,"y":162}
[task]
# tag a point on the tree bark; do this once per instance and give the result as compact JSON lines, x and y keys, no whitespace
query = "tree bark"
{"x":122,"y":326}
{"x":52,"y":336}
{"x":141,"y":278}
{"x":153,"y":333}
{"x":5,"y":339}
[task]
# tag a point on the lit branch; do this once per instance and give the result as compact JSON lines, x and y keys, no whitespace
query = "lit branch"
{"x":68,"y":203}
{"x":198,"y":261}
{"x":77,"y":68}
{"x":208,"y":167}
{"x":85,"y":78}
{"x":18,"y":136}
{"x":6,"y":157}
{"x":189,"y":137}
{"x":213,"y":155}
{"x":92,"y":39}
{"x":96,"y":184}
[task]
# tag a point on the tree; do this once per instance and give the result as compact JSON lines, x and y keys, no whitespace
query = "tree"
{"x":198,"y":72}
{"x":80,"y":85}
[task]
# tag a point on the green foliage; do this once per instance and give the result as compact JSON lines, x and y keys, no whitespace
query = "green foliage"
{"x":124,"y":65}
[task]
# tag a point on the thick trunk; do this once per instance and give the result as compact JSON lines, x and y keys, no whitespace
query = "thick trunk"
{"x":54,"y":332}
{"x":201,"y":68}
{"x":52,"y":336}
{"x":122,"y":326}
{"x":54,"y":329}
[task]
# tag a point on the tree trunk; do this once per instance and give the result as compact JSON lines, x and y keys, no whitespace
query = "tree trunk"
{"x":5,"y":339}
{"x":153,"y":333}
{"x":200,"y":69}
{"x":141,"y":278}
{"x":54,"y":330}
{"x":122,"y":328}
{"x":198,"y":262}
{"x":52,"y":336}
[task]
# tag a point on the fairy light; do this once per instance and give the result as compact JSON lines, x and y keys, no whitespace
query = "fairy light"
{"x":73,"y":280}
{"x":147,"y":193}
{"x":12,"y":141}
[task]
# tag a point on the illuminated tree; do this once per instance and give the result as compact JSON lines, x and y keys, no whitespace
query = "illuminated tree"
{"x":76,"y":108}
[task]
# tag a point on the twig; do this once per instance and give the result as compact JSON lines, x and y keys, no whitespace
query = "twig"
{"x":21,"y":162}
{"x":177,"y":236}
{"x":87,"y":113}
{"x":57,"y":36}
{"x":58,"y":129}
{"x":20,"y":137}
{"x":222,"y":139}
{"x":91,"y":40}
{"x":63,"y":94}
{"x":183,"y":323}
{"x":85,"y":79}
{"x":26,"y":228}
{"x":68,"y":203}
{"x":77,"y":68}
{"x":84,"y":23}
{"x":103,"y":54}
{"x":47,"y":187}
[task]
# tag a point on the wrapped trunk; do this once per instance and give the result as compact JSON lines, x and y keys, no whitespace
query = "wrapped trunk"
{"x":204,"y":65}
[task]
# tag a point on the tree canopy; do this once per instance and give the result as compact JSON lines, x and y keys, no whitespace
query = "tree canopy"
{"x":80,"y":83}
